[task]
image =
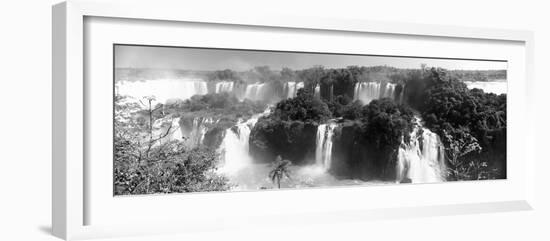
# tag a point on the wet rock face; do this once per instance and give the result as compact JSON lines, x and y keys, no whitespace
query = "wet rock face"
{"x":213,"y":137}
{"x":186,"y":123}
{"x":353,"y":155}
{"x":293,"y":140}
{"x":359,"y":157}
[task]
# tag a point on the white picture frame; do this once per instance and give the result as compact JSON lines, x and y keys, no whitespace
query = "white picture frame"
{"x":70,"y":210}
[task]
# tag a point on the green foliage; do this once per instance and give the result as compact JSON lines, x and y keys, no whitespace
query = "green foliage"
{"x":338,"y":105}
{"x":303,"y":107}
{"x":265,"y":73}
{"x":340,"y":81}
{"x":311,"y":76}
{"x":353,"y":111}
{"x":471,"y":124}
{"x":288,"y":74}
{"x":144,"y":163}
{"x":271,"y":137}
{"x":217,"y":101}
{"x":459,"y":144}
{"x":170,"y":168}
{"x":223,"y":75}
{"x":216,"y":104}
{"x":449,"y":105}
{"x":467,"y":119}
{"x":418,"y":82}
{"x":386,"y":122}
{"x":279,"y":171}
{"x":368,"y":137}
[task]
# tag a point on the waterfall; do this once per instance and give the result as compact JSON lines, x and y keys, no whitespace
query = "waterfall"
{"x":369,"y":91}
{"x":299,"y":85}
{"x":366,"y":91}
{"x":317,"y":91}
{"x":255,"y":91}
{"x":234,"y":148}
{"x":160,"y":128}
{"x":199,"y":129}
{"x":175,"y":130}
{"x":402,"y":94}
{"x":291,"y":88}
{"x":323,"y":142}
{"x":389,"y":91}
{"x":422,"y":159}
{"x":224,"y":86}
{"x":163,"y":89}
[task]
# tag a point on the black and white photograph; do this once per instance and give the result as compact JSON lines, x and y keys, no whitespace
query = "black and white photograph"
{"x":275,"y":120}
{"x":190,"y":119}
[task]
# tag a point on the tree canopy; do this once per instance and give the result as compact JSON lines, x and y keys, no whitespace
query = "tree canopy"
{"x":303,"y":107}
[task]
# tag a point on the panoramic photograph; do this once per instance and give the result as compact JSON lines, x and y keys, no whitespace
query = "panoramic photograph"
{"x":203,"y":119}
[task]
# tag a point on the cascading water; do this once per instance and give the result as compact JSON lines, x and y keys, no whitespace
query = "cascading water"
{"x":255,"y":91}
{"x":317,"y":91}
{"x":369,"y":91}
{"x":422,"y":159}
{"x":170,"y":129}
{"x":199,"y":129}
{"x":291,"y":88}
{"x":299,"y":85}
{"x":366,"y":92}
{"x":235,"y":148}
{"x":235,"y":145}
{"x":175,"y":130}
{"x":323,"y":148}
{"x":389,"y":90}
{"x":163,"y":89}
{"x":224,"y":86}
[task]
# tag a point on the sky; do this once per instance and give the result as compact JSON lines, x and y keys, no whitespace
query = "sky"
{"x":242,"y":60}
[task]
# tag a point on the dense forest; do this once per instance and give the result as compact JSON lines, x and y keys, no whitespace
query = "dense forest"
{"x":471,"y":124}
{"x":367,"y":139}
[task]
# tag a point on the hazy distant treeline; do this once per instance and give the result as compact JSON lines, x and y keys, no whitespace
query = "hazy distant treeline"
{"x":313,"y":74}
{"x":478,"y":75}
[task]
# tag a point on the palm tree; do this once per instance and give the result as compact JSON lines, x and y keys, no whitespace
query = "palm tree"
{"x":280,"y":170}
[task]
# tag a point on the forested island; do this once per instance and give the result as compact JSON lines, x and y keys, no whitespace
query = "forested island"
{"x":263,"y":128}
